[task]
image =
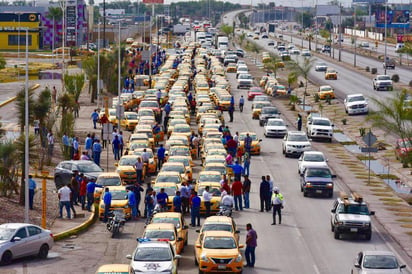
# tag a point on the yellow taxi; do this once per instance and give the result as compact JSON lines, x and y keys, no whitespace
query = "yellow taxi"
{"x":212,"y":152}
{"x":143,"y":129}
{"x":182,"y":129}
{"x":218,"y":251}
{"x":170,"y":190}
{"x":125,"y":168}
{"x":113,"y":268}
{"x":209,"y":177}
{"x":129,"y":120}
{"x":186,"y":163}
{"x":172,"y":123}
{"x":106,"y":179}
{"x":112,"y":116}
{"x":219,"y":167}
{"x":325,"y":92}
{"x":214,"y":189}
{"x":255,"y":146}
{"x":136,"y":144}
{"x":152,"y":166}
{"x":218,"y":223}
{"x":175,"y":218}
{"x":231,"y":68}
{"x":223,"y":101}
{"x":119,"y":202}
{"x":179,"y":150}
{"x":281,"y":90}
{"x":257,"y":108}
{"x":263,"y":81}
{"x":214,"y":159}
{"x":176,"y":167}
{"x":331,"y":74}
{"x":164,"y":231}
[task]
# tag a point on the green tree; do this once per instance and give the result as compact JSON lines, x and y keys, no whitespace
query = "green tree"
{"x":302,"y":69}
{"x":8,"y":169}
{"x":226,"y":29}
{"x":90,"y":68}
{"x":2,"y":62}
{"x":74,"y":85}
{"x":253,"y":47}
{"x":242,"y":38}
{"x":292,"y":78}
{"x":307,"y":18}
{"x":55,"y":13}
{"x":392,"y":115}
{"x":273,"y":64}
{"x":310,"y":38}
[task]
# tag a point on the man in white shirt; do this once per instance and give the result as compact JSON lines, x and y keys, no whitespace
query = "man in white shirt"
{"x":50,"y":142}
{"x":64,"y":194}
{"x":207,"y":196}
{"x":145,"y":156}
{"x":227,"y":200}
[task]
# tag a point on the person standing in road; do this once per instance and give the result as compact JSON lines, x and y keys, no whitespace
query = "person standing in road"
{"x":131,"y":202}
{"x":237,"y":189}
{"x":66,"y":145}
{"x":75,"y":145}
{"x":277,"y":202}
{"x":107,"y":199}
{"x":195,"y":209}
{"x":241,"y":103}
{"x":149,"y":202}
{"x":83,"y":191}
{"x":138,"y":166}
{"x":246,"y":190}
{"x":64,"y":194}
{"x":116,"y":147}
{"x":207,"y":196}
{"x":246,"y":164}
{"x":237,"y":170}
{"x":271,"y":185}
{"x":90,"y":193}
{"x":97,"y":151}
{"x":185,"y":193}
{"x":75,"y":187}
{"x":232,"y":101}
{"x":121,"y":142}
{"x":95,"y":117}
{"x":264,"y":194}
{"x":137,"y":189}
{"x":251,"y":244}
{"x":177,"y":202}
{"x":162,"y":199}
{"x":50,"y":141}
{"x":247,"y":143}
{"x":32,"y":189}
{"x":230,"y":111}
{"x":299,"y":122}
{"x":160,"y":156}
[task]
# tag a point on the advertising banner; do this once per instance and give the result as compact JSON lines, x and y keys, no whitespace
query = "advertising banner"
{"x":395,"y":19}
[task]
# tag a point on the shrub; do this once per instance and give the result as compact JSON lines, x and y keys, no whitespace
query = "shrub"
{"x":395,"y":78}
{"x":367,"y":69}
{"x":344,"y":121}
{"x":374,"y":70}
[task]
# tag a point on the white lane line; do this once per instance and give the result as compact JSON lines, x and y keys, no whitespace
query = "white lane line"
{"x":316,"y":269}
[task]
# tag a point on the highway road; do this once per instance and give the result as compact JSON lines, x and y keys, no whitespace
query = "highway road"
{"x":303,"y":243}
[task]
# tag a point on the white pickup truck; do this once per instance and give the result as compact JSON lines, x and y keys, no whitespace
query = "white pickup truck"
{"x":382,"y":82}
{"x":320,"y":127}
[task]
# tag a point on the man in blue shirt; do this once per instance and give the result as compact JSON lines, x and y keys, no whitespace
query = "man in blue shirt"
{"x":167,"y":108}
{"x":97,"y":150}
{"x":107,"y":199}
{"x":160,"y":156}
{"x":237,"y":170}
{"x":162,"y":199}
{"x":149,"y":202}
{"x":177,"y":202}
{"x":66,"y":144}
{"x":132,"y":202}
{"x":90,"y":192}
{"x":95,"y":118}
{"x":88,"y":143}
{"x":32,"y":188}
{"x":241,"y":103}
{"x":195,"y":209}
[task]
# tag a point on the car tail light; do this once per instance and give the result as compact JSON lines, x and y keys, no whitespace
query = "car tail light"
{"x":51,"y":235}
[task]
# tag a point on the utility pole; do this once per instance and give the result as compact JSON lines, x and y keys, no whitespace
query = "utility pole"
{"x":340,"y":32}
{"x":386,"y":33}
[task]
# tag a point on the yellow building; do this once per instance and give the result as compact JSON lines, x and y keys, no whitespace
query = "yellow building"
{"x":14,"y":25}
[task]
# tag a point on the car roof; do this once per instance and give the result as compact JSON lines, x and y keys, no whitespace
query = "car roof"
{"x":117,"y":188}
{"x":218,"y":219}
{"x":296,"y":133}
{"x":378,"y":252}
{"x":169,"y":173}
{"x":168,"y":214}
{"x":154,"y":243}
{"x":160,"y":226}
{"x":109,"y":175}
{"x":216,"y":233}
{"x":113,"y":268}
{"x":313,"y":152}
{"x":14,"y":225}
{"x":320,"y":118}
{"x":275,"y":119}
{"x":355,"y":95}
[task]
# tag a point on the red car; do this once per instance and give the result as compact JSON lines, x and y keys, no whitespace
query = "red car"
{"x":403,"y":148}
{"x":254,"y":91}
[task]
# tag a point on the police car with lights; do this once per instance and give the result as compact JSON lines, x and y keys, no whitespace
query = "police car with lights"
{"x":153,"y":256}
{"x":350,"y":214}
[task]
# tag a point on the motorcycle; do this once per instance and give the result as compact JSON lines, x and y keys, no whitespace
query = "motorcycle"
{"x":115,"y":222}
{"x":225,"y":211}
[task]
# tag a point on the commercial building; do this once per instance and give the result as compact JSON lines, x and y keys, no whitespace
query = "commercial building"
{"x":13,"y":27}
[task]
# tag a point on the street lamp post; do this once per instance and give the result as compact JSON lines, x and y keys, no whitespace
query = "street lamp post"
{"x":354,"y":35}
{"x":340,"y":33}
{"x":386,"y":29}
{"x":302,"y":32}
{"x":98,"y":63}
{"x":118,"y":82}
{"x":26,"y":133}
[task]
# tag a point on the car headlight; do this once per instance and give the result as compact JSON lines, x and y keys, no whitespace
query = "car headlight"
{"x":366,"y":224}
{"x":308,"y":184}
{"x":204,"y":258}
{"x":238,"y":259}
{"x":329,"y":185}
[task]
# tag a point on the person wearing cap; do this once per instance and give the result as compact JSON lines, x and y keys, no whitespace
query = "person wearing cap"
{"x":277,"y":202}
{"x":32,"y":189}
{"x":237,"y":170}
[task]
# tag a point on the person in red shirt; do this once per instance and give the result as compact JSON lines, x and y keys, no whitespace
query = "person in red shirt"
{"x":237,"y":189}
{"x":82,"y":191}
{"x":231,"y":146}
{"x":225,"y":186}
{"x":192,"y":195}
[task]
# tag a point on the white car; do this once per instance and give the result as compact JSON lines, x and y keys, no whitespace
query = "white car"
{"x":320,"y":127}
{"x":21,"y":240}
{"x":355,"y":104}
{"x":311,"y":159}
{"x":154,"y":257}
{"x":275,"y":127}
{"x":241,"y":70}
{"x":377,"y":262}
{"x":306,"y":53}
{"x":320,"y":66}
{"x":295,"y":143}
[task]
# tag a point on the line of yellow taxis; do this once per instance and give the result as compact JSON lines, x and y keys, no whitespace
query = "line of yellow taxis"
{"x":163,"y":240}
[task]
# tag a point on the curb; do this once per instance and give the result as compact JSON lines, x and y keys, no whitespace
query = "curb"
{"x":2,"y":104}
{"x":78,"y":229}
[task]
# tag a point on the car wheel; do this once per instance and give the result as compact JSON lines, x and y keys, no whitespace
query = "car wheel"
{"x":6,"y":258}
{"x":44,"y":251}
{"x":305,"y":193}
{"x":332,"y":228}
{"x":301,"y":189}
{"x":58,"y":181}
{"x":200,"y":271}
{"x":368,"y":236}
{"x":330,"y":140}
{"x":336,"y":235}
{"x":330,"y":194}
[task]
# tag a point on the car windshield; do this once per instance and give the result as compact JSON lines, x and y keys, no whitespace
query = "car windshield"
{"x":108,"y":181}
{"x":219,"y":243}
{"x":313,"y":158}
{"x":150,"y":104}
{"x":405,"y":143}
{"x":321,"y":65}
{"x":356,"y":99}
{"x":324,"y":89}
{"x":214,"y":190}
{"x":159,"y":234}
{"x":90,"y":167}
{"x":167,"y":179}
{"x":217,"y":227}
{"x":221,"y":169}
{"x":244,"y":76}
{"x":119,"y":195}
{"x":182,"y":128}
{"x":243,"y":136}
{"x":152,"y":254}
{"x":320,"y":122}
{"x":127,"y":161}
{"x":209,"y":178}
{"x":275,"y":123}
{"x":185,"y":161}
{"x":353,"y":209}
{"x":168,"y":220}
{"x":148,"y":152}
{"x":298,"y":138}
{"x":318,"y":172}
{"x":384,"y":77}
{"x":177,"y":168}
{"x":6,"y":233}
{"x":380,"y":262}
{"x":131,"y":116}
{"x":269,"y":110}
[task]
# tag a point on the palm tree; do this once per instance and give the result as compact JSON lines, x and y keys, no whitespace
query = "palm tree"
{"x":55,"y":13}
{"x":41,"y":112}
{"x":226,"y":29}
{"x":253,"y":48}
{"x":292,"y":78}
{"x":393,"y":116}
{"x":303,"y":69}
{"x":273,"y":64}
{"x":242,"y":38}
{"x":310,"y":38}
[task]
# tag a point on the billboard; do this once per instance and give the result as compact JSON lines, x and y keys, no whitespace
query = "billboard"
{"x":153,"y":1}
{"x":395,"y":18}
